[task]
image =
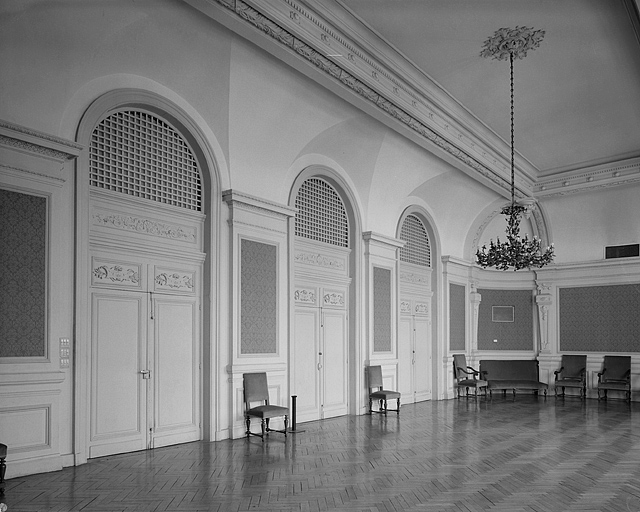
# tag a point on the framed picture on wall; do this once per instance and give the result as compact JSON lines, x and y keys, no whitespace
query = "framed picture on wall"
{"x":502,"y":313}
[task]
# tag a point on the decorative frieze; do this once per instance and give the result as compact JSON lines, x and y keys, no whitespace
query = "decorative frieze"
{"x":145,"y":226}
{"x":320,"y":260}
{"x":405,"y":307}
{"x":412,"y":277}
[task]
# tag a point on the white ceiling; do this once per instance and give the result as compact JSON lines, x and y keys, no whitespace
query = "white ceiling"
{"x":577,"y":97}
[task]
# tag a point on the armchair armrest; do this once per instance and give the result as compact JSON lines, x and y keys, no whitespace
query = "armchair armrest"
{"x":473,"y":371}
{"x":558,"y":372}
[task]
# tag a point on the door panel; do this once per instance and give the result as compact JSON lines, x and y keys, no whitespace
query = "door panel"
{"x":118,"y":401}
{"x":422,"y":358}
{"x":305,"y":361}
{"x":405,"y":358}
{"x":335,"y":364}
{"x":176,"y":376}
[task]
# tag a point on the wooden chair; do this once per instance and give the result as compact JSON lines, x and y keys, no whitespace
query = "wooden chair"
{"x":3,"y":466}
{"x":376,"y":392}
{"x":467,"y":377}
{"x":256,"y":389}
{"x":572,"y":374}
{"x":615,"y":376}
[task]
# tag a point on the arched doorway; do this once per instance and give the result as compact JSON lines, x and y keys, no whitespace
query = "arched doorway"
{"x":323,"y":335}
{"x":142,"y":273}
{"x":415,"y":340}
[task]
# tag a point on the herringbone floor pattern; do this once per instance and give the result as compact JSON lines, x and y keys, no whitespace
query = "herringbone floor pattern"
{"x":522,"y":455}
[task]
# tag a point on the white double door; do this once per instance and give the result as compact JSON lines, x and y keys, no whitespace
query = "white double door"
{"x":320,"y":362}
{"x":145,"y":377}
{"x":414,"y":358}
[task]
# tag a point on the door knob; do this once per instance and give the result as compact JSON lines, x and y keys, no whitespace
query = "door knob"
{"x":146,"y":374}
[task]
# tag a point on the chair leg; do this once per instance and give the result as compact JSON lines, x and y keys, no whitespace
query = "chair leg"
{"x":286,"y":424}
{"x":264,"y":428}
{"x":399,"y":403}
{"x":3,"y":471}
{"x":248,"y":421}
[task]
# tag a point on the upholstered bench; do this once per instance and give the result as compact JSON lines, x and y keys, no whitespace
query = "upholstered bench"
{"x":512,"y":374}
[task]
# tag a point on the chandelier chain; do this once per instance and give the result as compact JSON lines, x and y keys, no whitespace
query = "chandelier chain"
{"x":513,"y":182}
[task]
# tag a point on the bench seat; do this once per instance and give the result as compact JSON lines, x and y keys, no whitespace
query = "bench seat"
{"x":512,"y":374}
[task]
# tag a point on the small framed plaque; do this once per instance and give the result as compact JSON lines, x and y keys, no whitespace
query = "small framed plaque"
{"x":502,"y":313}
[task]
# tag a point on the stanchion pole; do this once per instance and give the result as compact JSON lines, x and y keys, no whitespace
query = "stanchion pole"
{"x":293,"y":429}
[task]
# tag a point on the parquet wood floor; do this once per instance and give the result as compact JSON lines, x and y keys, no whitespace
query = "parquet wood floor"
{"x":527,"y":455}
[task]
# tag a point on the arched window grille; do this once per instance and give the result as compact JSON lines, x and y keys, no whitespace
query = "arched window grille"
{"x":417,"y":249}
{"x":321,"y":213}
{"x":136,"y":153}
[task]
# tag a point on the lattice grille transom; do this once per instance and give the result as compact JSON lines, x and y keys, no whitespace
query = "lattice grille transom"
{"x":417,"y":249}
{"x":138,"y":154}
{"x":321,"y":213}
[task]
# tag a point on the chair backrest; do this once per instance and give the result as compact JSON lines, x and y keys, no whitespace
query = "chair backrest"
{"x":256,"y":388}
{"x":573,"y":365}
{"x":459,"y":361}
{"x":375,"y":376}
{"x":616,"y":366}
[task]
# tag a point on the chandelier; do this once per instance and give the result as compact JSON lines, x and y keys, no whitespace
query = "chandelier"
{"x":516,"y":252}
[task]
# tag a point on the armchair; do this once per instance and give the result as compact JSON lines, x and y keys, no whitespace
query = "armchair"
{"x":466,"y":376}
{"x":572,"y":374}
{"x":615,"y":376}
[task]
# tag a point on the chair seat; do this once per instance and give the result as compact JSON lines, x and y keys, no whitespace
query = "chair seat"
{"x":268,"y":411}
{"x":622,"y":386}
{"x":570,"y":383}
{"x":384,"y":394}
{"x":471,"y":383}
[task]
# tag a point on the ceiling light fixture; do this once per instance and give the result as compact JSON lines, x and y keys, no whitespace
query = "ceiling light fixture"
{"x":516,"y":252}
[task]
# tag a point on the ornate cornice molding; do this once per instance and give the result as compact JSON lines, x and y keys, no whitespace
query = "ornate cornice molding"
{"x":304,"y":33}
{"x":589,"y":179}
{"x":37,"y":142}
{"x":37,"y":175}
{"x":257,"y":205}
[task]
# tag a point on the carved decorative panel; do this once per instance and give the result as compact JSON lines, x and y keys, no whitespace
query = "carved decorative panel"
{"x":305,"y":296}
{"x":405,"y":307}
{"x":422,"y":309}
{"x":174,"y":280}
{"x":23,"y":276}
{"x":119,"y":274}
{"x":334,"y":299}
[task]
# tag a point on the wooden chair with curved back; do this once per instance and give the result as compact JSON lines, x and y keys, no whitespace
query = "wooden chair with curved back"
{"x":377,"y":392}
{"x":256,"y":389}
